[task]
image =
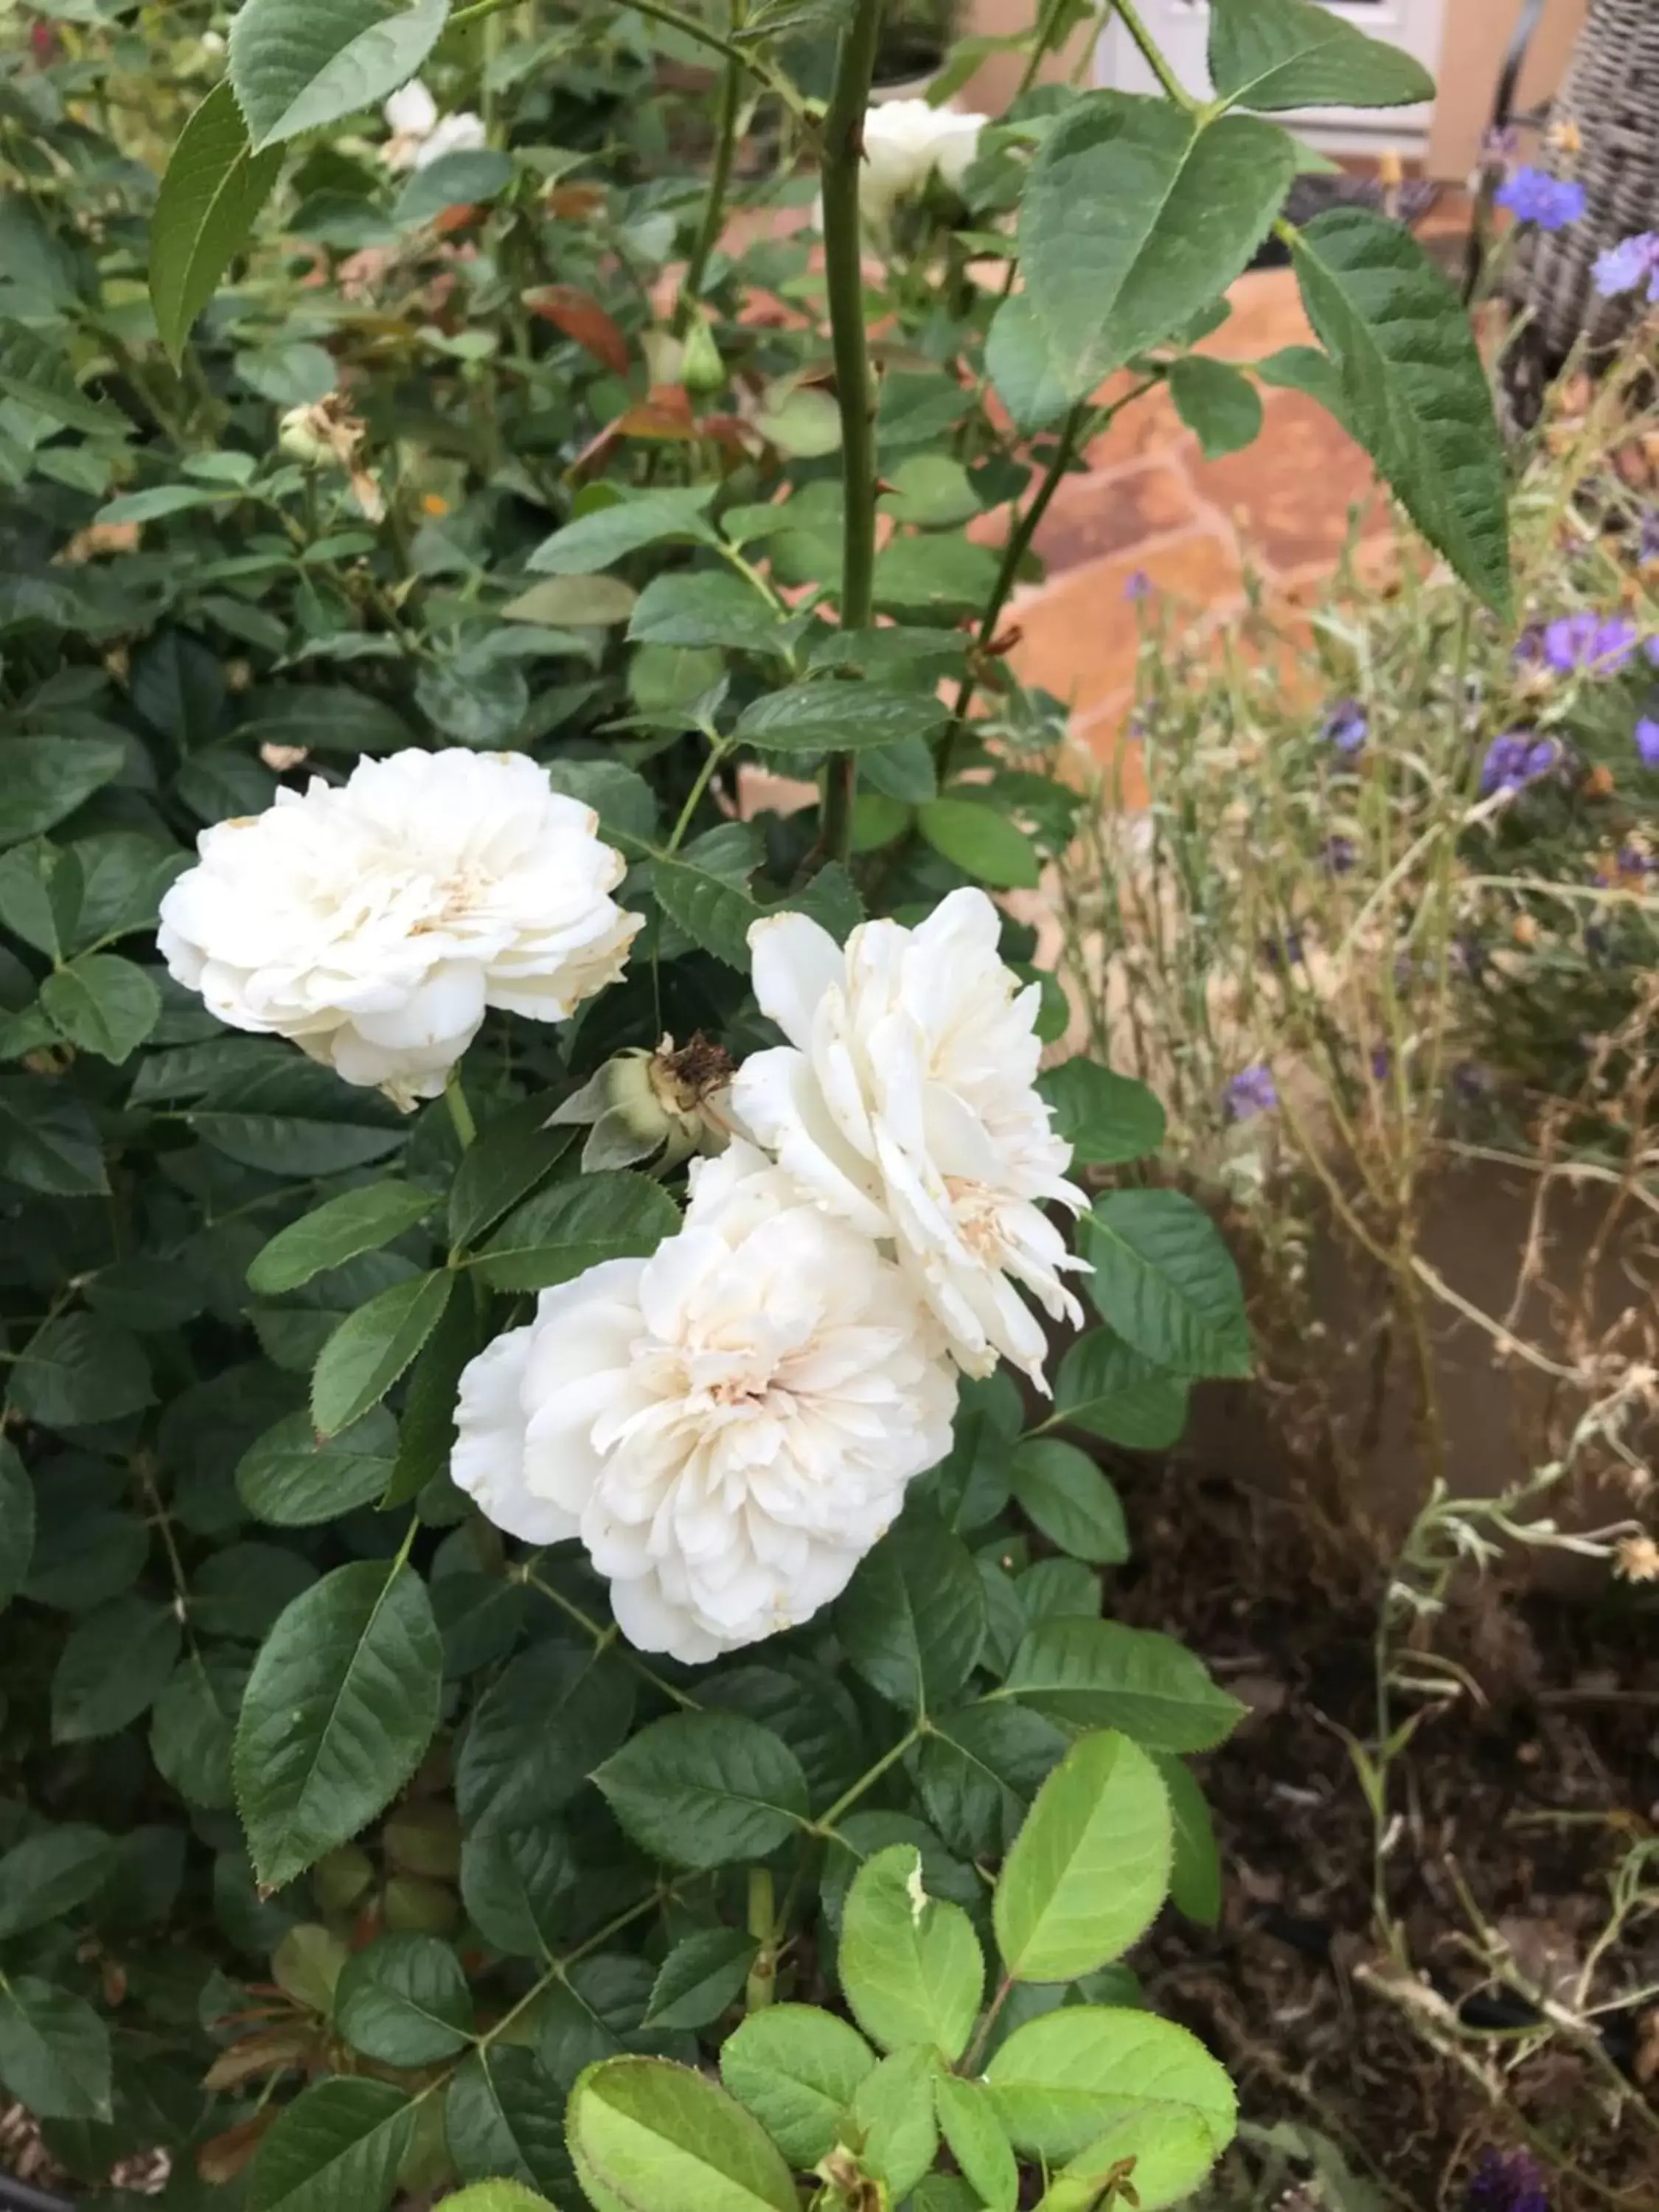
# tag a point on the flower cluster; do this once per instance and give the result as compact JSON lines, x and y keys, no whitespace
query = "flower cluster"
{"x":1346,"y":725}
{"x":1633,"y":262}
{"x":1548,"y":202}
{"x":730,"y":1424}
{"x":1596,"y":644}
{"x":1517,"y":759}
{"x":375,"y":922}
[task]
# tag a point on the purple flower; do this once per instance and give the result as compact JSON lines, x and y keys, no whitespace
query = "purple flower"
{"x":1345,"y":726}
{"x":1634,"y":261}
{"x":1648,"y":550}
{"x":1139,"y":586}
{"x":1507,"y":2181}
{"x":1340,"y":853}
{"x":1381,"y":1063}
{"x":1534,"y":196}
{"x":1633,"y":861}
{"x":1588,"y":640}
{"x":1652,"y":650}
{"x":1647,"y":742}
{"x":1517,"y":759}
{"x":1251,"y":1092}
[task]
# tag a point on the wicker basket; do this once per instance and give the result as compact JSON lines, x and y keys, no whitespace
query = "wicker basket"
{"x":1612,"y":96}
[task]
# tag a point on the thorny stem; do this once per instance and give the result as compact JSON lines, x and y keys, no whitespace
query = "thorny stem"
{"x":843,"y":154}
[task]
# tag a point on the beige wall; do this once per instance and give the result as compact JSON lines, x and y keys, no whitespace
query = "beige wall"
{"x":1477,"y":33}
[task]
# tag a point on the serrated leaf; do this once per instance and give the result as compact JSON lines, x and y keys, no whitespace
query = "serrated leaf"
{"x":1195,"y":1872}
{"x":193,"y":1725}
{"x":79,"y":1371}
{"x":54,"y":2052}
{"x":1217,"y":404}
{"x":35,"y":373}
{"x":1106,"y":1118}
{"x":297,"y":65}
{"x":44,"y":780}
{"x":1414,"y":390}
{"x":893,"y":2119}
{"x":1136,"y":215}
{"x":1090,"y":1868}
{"x":211,"y":195}
{"x":292,"y":1478}
{"x":501,"y":2116}
{"x":1097,"y":1673}
{"x":1112,"y":1391}
{"x":103,"y":1004}
{"x":913,"y":1617}
{"x":984,"y":844}
{"x":704,"y":888}
{"x":609,"y":533}
{"x":341,"y":1706}
{"x":797,"y":2070}
{"x":498,"y":2196}
{"x":538,"y":1734}
{"x":357,"y":1221}
{"x":1061,"y":1490}
{"x":112,"y":1667}
{"x":564,"y":1230}
{"x":838,"y":717}
{"x":910,"y":1965}
{"x":16,"y":1523}
{"x":706,"y":1789}
{"x":1291,"y":53}
{"x":643,"y":2131}
{"x":47,"y":1876}
{"x":701,"y":1976}
{"x":978,"y":2141}
{"x":403,"y":2001}
{"x":373,"y":1346}
{"x":335,"y":2149}
{"x":1165,"y":1281}
{"x":48,"y":1142}
{"x":1021,"y":368}
{"x":704,"y":609}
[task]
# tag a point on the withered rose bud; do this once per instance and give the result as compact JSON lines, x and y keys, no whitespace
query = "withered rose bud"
{"x":656,"y":1108}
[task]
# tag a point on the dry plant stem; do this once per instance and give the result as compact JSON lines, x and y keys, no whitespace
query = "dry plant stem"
{"x":843,"y":274}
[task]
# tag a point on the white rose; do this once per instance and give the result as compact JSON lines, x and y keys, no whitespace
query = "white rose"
{"x":904,"y":141}
{"x":419,"y":136}
{"x":411,"y":111}
{"x":454,"y":134}
{"x":728,"y":1426}
{"x":905,"y":1102}
{"x":373,"y":922}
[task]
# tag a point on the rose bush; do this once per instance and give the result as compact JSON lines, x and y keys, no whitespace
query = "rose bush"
{"x":542,"y":1563}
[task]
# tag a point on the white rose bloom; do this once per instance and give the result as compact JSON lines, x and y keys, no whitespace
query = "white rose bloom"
{"x":904,"y":141}
{"x":728,"y":1426}
{"x":419,"y":136}
{"x":905,"y":1102}
{"x":375,"y":922}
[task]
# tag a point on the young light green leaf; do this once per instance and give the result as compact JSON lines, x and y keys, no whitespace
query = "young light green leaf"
{"x":910,"y":1964}
{"x":1097,"y":1673}
{"x":357,"y":1221}
{"x":112,"y":1667}
{"x":1414,"y":390}
{"x":1165,"y":1281}
{"x":1293,"y":53}
{"x":797,"y":2070}
{"x":402,"y":2000}
{"x":1219,"y":405}
{"x":297,"y":65}
{"x":49,"y":1874}
{"x":701,"y":1976}
{"x":1106,"y":1118}
{"x":16,"y":1523}
{"x":211,"y":195}
{"x":572,"y":1226}
{"x":1090,"y":1869}
{"x":973,"y":837}
{"x":893,"y":2119}
{"x":609,"y":533}
{"x":335,"y":2149}
{"x":1169,"y":2148}
{"x":340,"y":1708}
{"x":1136,"y":217}
{"x":643,"y":2131}
{"x":35,"y":373}
{"x":1113,"y":1392}
{"x":498,"y":2196}
{"x":1195,"y":1872}
{"x":978,"y":2140}
{"x":705,"y":889}
{"x":825,"y":717}
{"x":913,"y":1617}
{"x":706,"y":1789}
{"x":54,"y":2052}
{"x":373,"y":1346}
{"x":103,"y":1004}
{"x":1070,"y":1500}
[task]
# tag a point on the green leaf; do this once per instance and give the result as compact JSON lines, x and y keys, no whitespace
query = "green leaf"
{"x":299,"y":64}
{"x":977,"y":1770}
{"x":292,"y":1478}
{"x":340,"y":1708}
{"x":513,"y":1882}
{"x":79,"y":1371}
{"x":977,"y":2140}
{"x":49,"y":1142}
{"x":538,"y":1734}
{"x":357,"y":1221}
{"x":210,"y":198}
{"x":1019,"y":365}
{"x":502,"y":2115}
{"x":1070,"y":1500}
{"x":1165,"y":1281}
{"x":1113,"y":1392}
{"x":47,"y":1876}
{"x":832,"y":900}
{"x":706,"y":1789}
{"x":1106,"y":1119}
{"x":35,"y":373}
{"x":403,"y":2002}
{"x":797,"y":2070}
{"x":1413,"y":388}
{"x":701,"y":1976}
{"x":508,"y":1157}
{"x":944,"y":576}
{"x":1195,"y":1876}
{"x":327,"y":717}
{"x":910,"y":1965}
{"x":43,"y":779}
{"x":373,"y":1346}
{"x":904,"y":771}
{"x":102,"y":1004}
{"x":986,"y":845}
{"x":1097,"y":1673}
{"x":1090,"y":1867}
{"x":931,"y":491}
{"x":1136,"y":217}
{"x":465,"y":178}
{"x":335,"y":2149}
{"x":16,"y":1523}
{"x":564,"y":1230}
{"x":893,"y":2119}
{"x":1305,"y":368}
{"x":912,"y":1619}
{"x":1219,"y":405}
{"x":609,"y":533}
{"x":706,"y":608}
{"x":54,"y":2052}
{"x":1293,"y":53}
{"x":426,"y":1426}
{"x":826,"y":717}
{"x":645,"y":2132}
{"x":498,"y":2196}
{"x":705,"y":889}
{"x":1061,"y":2080}
{"x":40,"y":890}
{"x":112,"y":1667}
{"x":193,"y":1725}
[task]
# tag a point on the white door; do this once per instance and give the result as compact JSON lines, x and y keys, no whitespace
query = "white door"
{"x":1181,"y":28}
